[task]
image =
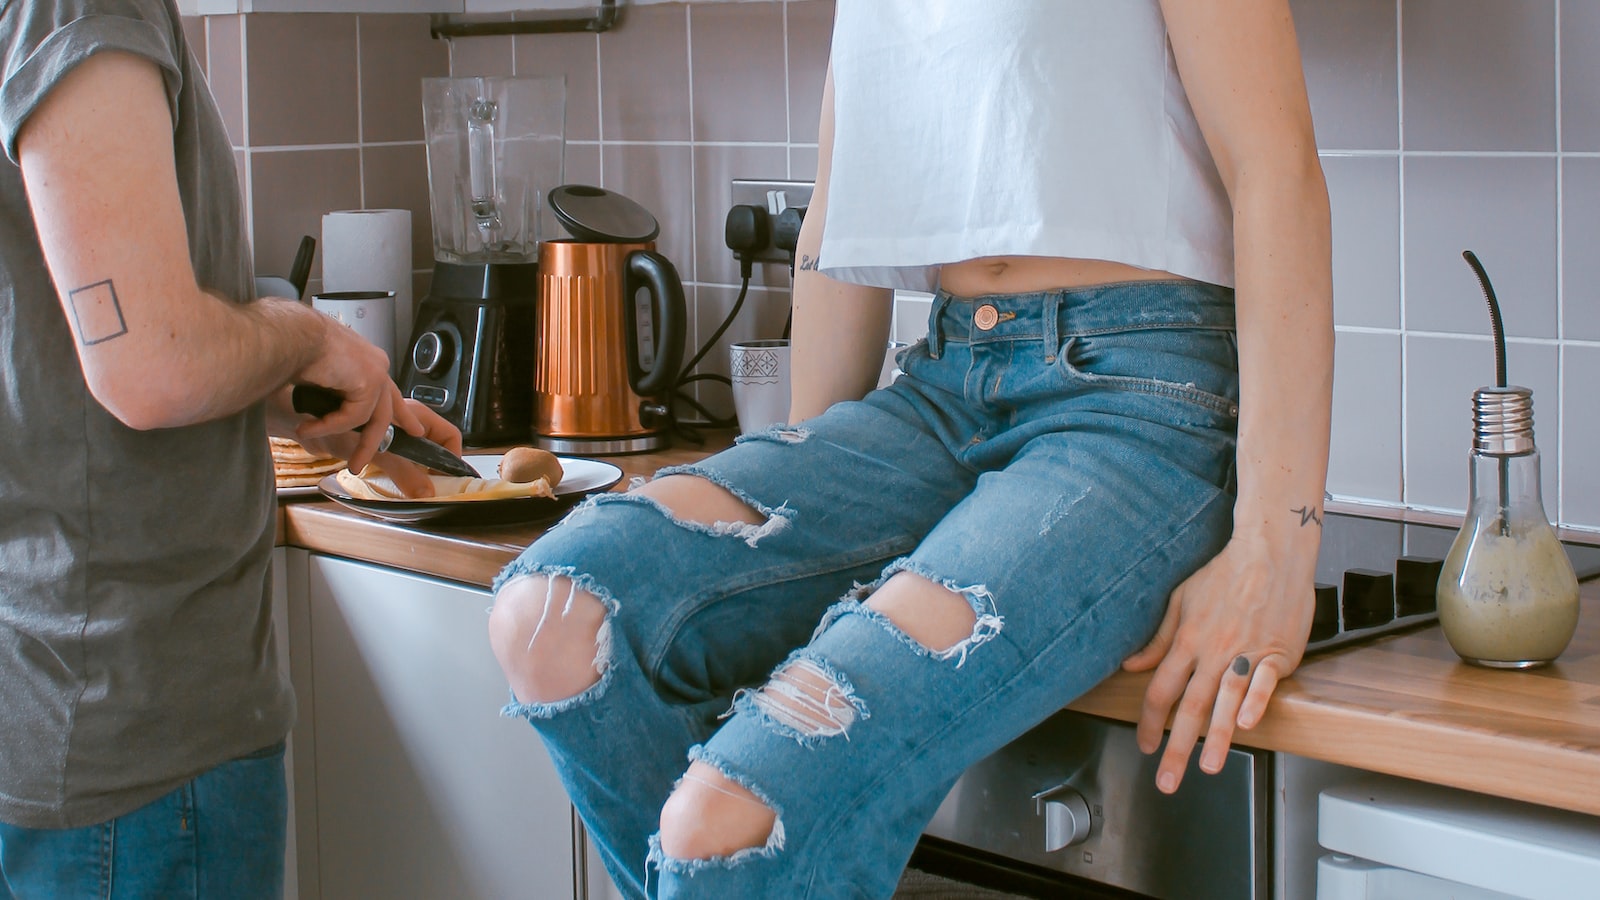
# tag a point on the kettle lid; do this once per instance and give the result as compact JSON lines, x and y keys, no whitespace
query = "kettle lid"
{"x":596,"y":214}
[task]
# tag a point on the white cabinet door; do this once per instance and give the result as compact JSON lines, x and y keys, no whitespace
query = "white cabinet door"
{"x":422,"y":789}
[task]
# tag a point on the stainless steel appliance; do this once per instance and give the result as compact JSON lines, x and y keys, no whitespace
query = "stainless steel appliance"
{"x":1071,"y":809}
{"x":495,"y":147}
{"x":1073,"y":804}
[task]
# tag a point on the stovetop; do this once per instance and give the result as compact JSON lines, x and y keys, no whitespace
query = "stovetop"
{"x":1375,"y":577}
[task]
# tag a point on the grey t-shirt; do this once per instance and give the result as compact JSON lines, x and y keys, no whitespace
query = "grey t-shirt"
{"x":136,"y":645}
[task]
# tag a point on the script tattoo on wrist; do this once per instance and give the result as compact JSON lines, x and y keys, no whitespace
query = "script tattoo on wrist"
{"x":1308,"y":515}
{"x":97,"y":312}
{"x":809,"y":263}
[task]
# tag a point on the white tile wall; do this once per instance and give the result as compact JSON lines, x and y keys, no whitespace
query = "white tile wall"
{"x":1365,"y":457}
{"x":1448,"y":125}
{"x":1580,"y":434}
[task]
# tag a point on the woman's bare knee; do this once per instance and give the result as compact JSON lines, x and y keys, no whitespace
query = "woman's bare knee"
{"x":709,"y":816}
{"x":697,"y":499}
{"x":544,"y":632}
{"x":931,"y":614}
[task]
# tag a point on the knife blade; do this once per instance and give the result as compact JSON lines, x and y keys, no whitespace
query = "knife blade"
{"x":319,"y":401}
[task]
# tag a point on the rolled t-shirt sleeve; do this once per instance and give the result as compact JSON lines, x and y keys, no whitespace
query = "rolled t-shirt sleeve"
{"x":43,"y":41}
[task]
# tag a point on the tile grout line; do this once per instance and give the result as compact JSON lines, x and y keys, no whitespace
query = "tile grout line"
{"x":1400,"y":186}
{"x":244,"y":127}
{"x":694,"y":176}
{"x":361,"y":128}
{"x":1561,"y":290}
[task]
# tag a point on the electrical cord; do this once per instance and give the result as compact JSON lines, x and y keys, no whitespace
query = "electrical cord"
{"x":745,"y":232}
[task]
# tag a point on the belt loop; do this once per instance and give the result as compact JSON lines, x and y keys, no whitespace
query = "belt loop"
{"x":935,"y":330}
{"x":1052,"y":325}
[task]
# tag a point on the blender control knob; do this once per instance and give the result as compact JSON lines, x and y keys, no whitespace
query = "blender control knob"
{"x":431,"y":353}
{"x":1066,"y":817}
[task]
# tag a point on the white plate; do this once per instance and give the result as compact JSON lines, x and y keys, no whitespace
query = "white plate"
{"x":304,"y":490}
{"x":580,"y":477}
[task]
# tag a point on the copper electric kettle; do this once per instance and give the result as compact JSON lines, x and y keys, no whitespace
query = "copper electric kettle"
{"x":602,"y":376}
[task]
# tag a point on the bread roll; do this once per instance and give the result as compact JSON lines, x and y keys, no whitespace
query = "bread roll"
{"x":523,"y":465}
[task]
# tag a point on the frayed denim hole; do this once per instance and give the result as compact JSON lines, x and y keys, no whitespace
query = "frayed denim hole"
{"x":776,"y":839}
{"x":780,"y":434}
{"x":987,"y":621}
{"x":777,"y":518}
{"x":806,"y":700}
{"x":602,"y":638}
{"x":853,"y":599}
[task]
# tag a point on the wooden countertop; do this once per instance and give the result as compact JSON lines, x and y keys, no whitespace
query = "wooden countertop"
{"x":1403,"y":705}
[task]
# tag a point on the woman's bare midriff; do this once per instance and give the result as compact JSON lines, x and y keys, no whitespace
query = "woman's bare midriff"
{"x":1022,"y":274}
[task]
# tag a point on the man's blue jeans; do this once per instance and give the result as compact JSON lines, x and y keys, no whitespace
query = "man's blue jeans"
{"x":219,"y":836}
{"x":1062,"y":460}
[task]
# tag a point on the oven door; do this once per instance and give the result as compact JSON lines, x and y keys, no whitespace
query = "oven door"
{"x":1076,"y":796}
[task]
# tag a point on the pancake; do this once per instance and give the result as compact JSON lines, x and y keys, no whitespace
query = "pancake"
{"x":295,"y":466}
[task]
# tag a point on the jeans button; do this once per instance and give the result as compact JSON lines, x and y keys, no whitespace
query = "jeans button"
{"x":986,"y":317}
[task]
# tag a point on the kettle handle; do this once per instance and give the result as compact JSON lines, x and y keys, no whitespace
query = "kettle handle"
{"x":653,"y":272}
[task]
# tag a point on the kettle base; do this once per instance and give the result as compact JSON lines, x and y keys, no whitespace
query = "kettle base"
{"x":601,"y":446}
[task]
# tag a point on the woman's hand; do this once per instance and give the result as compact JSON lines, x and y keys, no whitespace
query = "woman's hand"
{"x":1232,"y":631}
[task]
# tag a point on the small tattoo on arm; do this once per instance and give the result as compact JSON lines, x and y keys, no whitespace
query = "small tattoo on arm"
{"x":1308,"y":514}
{"x":98,"y":314}
{"x":809,"y":263}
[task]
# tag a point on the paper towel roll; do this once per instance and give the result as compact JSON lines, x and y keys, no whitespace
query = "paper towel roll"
{"x":370,"y":250}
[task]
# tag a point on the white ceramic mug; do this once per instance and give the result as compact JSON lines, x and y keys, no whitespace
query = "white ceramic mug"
{"x":759,"y":371}
{"x":369,"y":313}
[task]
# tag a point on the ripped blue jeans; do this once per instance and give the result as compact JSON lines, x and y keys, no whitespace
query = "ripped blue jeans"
{"x":1061,"y":459}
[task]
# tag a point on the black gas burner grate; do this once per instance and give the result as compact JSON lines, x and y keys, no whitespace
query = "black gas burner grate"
{"x":1376,"y":577}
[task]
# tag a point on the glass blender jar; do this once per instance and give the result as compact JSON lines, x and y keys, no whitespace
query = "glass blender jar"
{"x":495,"y":147}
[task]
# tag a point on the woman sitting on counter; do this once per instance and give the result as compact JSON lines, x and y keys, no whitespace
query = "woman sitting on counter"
{"x":760,"y":674}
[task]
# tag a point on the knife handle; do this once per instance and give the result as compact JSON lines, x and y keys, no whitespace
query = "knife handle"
{"x":315,"y":401}
{"x":319,"y":401}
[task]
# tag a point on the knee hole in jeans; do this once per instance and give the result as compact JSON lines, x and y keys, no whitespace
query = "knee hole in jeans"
{"x":930,"y":614}
{"x":710,"y":815}
{"x":697,"y":499}
{"x":549,"y":636}
{"x":803,"y":697}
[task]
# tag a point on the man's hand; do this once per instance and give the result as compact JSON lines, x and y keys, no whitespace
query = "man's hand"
{"x":358,"y":371}
{"x":410,"y":416}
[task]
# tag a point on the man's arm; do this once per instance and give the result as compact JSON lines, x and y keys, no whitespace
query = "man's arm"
{"x":156,"y":350}
{"x":1241,"y":68}
{"x":840,"y":330}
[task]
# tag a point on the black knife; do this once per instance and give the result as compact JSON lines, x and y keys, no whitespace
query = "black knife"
{"x":319,"y":401}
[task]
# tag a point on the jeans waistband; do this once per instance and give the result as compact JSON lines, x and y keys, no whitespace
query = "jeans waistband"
{"x":1056,"y":314}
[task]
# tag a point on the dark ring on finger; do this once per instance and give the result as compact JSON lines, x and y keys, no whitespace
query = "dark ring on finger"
{"x":1241,"y":666}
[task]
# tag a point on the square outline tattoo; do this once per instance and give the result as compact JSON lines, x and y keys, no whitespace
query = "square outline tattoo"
{"x":94,"y":305}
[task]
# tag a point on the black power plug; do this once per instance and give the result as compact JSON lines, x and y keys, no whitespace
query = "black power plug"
{"x":745,"y":233}
{"x":786,"y":232}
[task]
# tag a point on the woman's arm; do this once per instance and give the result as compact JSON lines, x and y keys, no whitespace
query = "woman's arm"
{"x":840,"y":330}
{"x":1241,"y":68}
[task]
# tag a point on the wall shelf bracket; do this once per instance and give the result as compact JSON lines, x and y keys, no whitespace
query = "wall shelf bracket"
{"x":607,"y":16}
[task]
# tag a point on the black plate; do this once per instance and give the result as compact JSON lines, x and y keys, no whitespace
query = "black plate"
{"x":582,"y":477}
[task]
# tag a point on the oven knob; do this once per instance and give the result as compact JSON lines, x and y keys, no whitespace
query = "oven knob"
{"x":431,"y":353}
{"x":1066,"y":817}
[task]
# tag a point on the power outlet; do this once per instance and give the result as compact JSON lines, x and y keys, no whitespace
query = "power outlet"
{"x":774,"y":197}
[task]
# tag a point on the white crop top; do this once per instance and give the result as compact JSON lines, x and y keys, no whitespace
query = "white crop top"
{"x":971,"y":128}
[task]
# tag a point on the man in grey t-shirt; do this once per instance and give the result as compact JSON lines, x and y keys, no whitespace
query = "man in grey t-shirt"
{"x":141,"y":711}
